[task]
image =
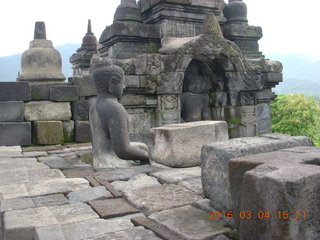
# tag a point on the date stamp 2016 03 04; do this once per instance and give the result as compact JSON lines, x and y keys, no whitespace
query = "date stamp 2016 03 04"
{"x":280,"y":214}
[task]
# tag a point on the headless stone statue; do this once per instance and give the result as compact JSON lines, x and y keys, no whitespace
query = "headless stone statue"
{"x":194,"y":103}
{"x":109,"y":122}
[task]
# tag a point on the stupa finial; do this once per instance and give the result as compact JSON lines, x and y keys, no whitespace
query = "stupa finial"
{"x":40,"y":31}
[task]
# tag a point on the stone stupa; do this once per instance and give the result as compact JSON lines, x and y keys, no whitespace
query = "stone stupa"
{"x":41,"y":62}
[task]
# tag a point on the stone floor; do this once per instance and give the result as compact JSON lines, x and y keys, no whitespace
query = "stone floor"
{"x":51,"y":193}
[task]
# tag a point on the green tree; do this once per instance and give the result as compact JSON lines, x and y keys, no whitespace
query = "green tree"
{"x":296,"y":115}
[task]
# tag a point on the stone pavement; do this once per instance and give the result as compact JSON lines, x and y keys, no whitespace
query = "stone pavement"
{"x":52,"y":193}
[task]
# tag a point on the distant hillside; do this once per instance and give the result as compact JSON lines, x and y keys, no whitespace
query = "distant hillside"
{"x":291,"y":85}
{"x":10,"y":65}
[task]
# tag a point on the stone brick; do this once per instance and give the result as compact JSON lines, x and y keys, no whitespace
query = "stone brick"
{"x":15,"y":134}
{"x":57,"y":162}
{"x":132,"y":81}
{"x":48,"y":132}
{"x":46,"y":187}
{"x":47,"y":111}
{"x":80,"y":110}
{"x":15,"y":91}
{"x":177,"y":175}
{"x":40,"y":91}
{"x":82,"y":229}
{"x":112,"y":208}
{"x":201,"y":227}
{"x":132,"y":233}
{"x":11,"y":111}
{"x":82,"y":131}
{"x":16,"y":204}
{"x":171,"y":145}
{"x":89,"y":194}
{"x":20,"y":223}
{"x":215,"y":160}
{"x":85,"y":86}
{"x":50,"y":200}
{"x":78,"y":172}
{"x":68,"y":131}
{"x":138,"y":181}
{"x":63,"y":93}
{"x":157,"y":198}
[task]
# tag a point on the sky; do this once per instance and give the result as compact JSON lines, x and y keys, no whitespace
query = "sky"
{"x":289,"y":26}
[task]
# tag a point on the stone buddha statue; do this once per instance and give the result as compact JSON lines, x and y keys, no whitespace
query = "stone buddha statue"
{"x":194,"y":100}
{"x":109,"y":120}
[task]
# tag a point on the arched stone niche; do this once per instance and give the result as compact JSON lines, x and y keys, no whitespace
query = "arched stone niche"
{"x":226,"y":80}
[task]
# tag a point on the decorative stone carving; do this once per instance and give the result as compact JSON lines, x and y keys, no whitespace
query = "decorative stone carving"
{"x":109,"y":121}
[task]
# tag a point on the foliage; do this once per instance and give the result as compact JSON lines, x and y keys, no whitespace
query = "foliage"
{"x":297,"y":115}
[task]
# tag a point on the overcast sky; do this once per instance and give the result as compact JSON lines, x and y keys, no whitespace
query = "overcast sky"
{"x":289,"y":26}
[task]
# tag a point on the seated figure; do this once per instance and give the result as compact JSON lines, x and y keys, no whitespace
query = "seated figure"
{"x":194,"y":104}
{"x":109,"y":121}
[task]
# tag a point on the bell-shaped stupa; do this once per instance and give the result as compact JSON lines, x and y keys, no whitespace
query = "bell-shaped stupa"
{"x":41,"y":62}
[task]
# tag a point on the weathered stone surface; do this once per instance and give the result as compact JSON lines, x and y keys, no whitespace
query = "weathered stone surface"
{"x":134,"y":233}
{"x":46,"y":111}
{"x":289,"y":182}
{"x":40,"y":91}
{"x":10,"y":154}
{"x":11,"y":111}
{"x":13,"y":134}
{"x":85,"y":86}
{"x":263,"y":116}
{"x":193,"y":184}
{"x":78,"y":172}
{"x":35,"y":154}
{"x":16,"y":204}
{"x":80,"y":110}
{"x":26,"y":176}
{"x":111,"y":175}
{"x":215,"y":159}
{"x":10,"y":149}
{"x":57,"y":162}
{"x":177,"y":175}
{"x":46,"y":187}
{"x":20,"y":223}
{"x":204,"y":205}
{"x":50,"y":200}
{"x":68,"y":131}
{"x":112,"y":208}
{"x":15,"y":91}
{"x":82,"y":230}
{"x":82,"y":131}
{"x":201,"y":227}
{"x":138,"y":181}
{"x":172,"y":146}
{"x":48,"y":132}
{"x":63,"y":93}
{"x":158,"y":198}
{"x":89,"y":194}
{"x":159,"y":229}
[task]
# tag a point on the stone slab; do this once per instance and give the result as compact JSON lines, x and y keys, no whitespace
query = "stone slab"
{"x":63,"y":93}
{"x":28,"y":176}
{"x":50,"y":200}
{"x":80,"y":110}
{"x":82,"y":131}
{"x":89,"y":194}
{"x":138,"y":181}
{"x":113,"y":208}
{"x":78,"y":172}
{"x":82,"y":230}
{"x":10,"y":149}
{"x":215,"y":159}
{"x":158,"y":198}
{"x":47,"y":111}
{"x":48,"y":132}
{"x":177,"y":175}
{"x":193,"y":184}
{"x":51,"y":186}
{"x":15,"y":91}
{"x":40,"y":91}
{"x":20,"y":224}
{"x":137,"y":233}
{"x":13,"y":134}
{"x":11,"y":111}
{"x":35,"y":154}
{"x":200,"y":228}
{"x":179,"y":145}
{"x":58,"y":162}
{"x":290,"y":177}
{"x":68,"y":131}
{"x":16,"y":204}
{"x":110,"y":175}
